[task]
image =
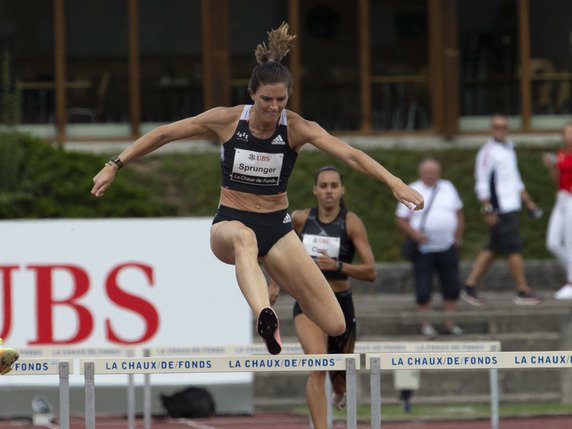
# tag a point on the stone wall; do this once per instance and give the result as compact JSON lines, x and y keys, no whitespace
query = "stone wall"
{"x":397,"y":277}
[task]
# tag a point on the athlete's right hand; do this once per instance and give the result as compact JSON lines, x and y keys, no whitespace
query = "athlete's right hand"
{"x":102,"y":181}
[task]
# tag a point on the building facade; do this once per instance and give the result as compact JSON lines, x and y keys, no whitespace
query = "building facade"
{"x":113,"y":69}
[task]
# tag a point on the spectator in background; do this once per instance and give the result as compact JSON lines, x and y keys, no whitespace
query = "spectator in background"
{"x":438,"y":230}
{"x":559,"y":233}
{"x":500,"y":190}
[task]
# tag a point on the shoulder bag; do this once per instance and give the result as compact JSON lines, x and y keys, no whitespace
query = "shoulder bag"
{"x":409,"y":248}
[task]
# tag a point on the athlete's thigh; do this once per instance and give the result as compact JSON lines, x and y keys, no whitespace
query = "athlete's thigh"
{"x":294,"y":270}
{"x":223,"y":239}
{"x":311,"y":337}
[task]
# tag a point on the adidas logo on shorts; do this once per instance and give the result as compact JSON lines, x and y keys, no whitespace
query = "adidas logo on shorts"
{"x":287,"y":218}
{"x":278,"y":140}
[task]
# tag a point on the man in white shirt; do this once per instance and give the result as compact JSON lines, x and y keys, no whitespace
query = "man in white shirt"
{"x":500,"y":190}
{"x":437,"y":230}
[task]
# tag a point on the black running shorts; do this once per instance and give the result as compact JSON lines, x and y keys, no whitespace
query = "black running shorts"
{"x":268,"y":227}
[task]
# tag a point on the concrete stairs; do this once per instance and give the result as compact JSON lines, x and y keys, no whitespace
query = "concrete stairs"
{"x":389,"y":315}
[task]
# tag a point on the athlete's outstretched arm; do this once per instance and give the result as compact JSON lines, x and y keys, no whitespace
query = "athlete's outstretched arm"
{"x":304,"y":131}
{"x":210,"y":121}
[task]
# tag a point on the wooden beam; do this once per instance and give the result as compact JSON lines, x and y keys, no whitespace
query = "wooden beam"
{"x":134,"y":69}
{"x":365,"y":65}
{"x":216,"y":53}
{"x":524,"y":58}
{"x":435,"y":27}
{"x":60,"y":69}
{"x":451,"y":64}
{"x":444,"y":66}
{"x":295,"y":54}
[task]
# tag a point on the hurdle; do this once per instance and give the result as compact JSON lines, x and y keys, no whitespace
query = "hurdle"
{"x":237,"y":363}
{"x":361,"y":347}
{"x":376,"y":362}
{"x":88,"y":352}
{"x":245,"y":349}
{"x":369,"y":348}
{"x":206,"y":350}
{"x":63,"y":368}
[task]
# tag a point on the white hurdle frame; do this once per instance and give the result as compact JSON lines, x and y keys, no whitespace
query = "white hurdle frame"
{"x":250,"y":349}
{"x":237,"y":363}
{"x":427,"y":346}
{"x":377,"y":362}
{"x":63,"y":368}
{"x":91,"y":352}
{"x":361,"y":347}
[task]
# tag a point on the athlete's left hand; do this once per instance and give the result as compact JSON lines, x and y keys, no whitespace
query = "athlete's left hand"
{"x":407,"y":195}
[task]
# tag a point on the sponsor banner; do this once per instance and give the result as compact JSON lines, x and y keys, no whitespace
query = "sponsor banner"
{"x":203,"y":364}
{"x":118,"y":283}
{"x":487,"y":360}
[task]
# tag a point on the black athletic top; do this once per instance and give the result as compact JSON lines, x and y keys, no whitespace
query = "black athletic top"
{"x":331,"y":236}
{"x":257,"y":166}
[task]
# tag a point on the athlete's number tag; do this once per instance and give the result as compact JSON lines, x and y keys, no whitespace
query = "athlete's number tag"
{"x":257,"y":168}
{"x":315,"y":245}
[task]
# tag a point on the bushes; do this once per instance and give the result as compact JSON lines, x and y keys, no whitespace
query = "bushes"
{"x":196,"y":179}
{"x":41,"y":181}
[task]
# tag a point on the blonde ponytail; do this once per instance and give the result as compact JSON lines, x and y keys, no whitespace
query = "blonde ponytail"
{"x":279,"y":44}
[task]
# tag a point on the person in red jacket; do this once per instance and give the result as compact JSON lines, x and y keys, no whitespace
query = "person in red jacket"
{"x":559,"y":232}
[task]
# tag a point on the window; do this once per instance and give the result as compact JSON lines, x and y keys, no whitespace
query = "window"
{"x":550,"y":62}
{"x":399,"y":62}
{"x":97,"y":87}
{"x":330,"y":64}
{"x":488,"y":62}
{"x":28,"y":50}
{"x":170,"y":36}
{"x":245,"y":34}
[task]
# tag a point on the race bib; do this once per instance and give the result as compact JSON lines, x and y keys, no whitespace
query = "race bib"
{"x":315,"y":245}
{"x":256,"y":168}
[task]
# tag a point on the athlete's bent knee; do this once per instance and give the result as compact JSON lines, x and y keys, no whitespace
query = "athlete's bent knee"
{"x":337,"y":328}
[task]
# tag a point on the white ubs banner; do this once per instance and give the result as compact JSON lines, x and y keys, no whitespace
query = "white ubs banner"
{"x":117,"y":283}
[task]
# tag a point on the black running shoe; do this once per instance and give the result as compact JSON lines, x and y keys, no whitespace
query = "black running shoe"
{"x":268,"y":330}
{"x":469,"y":295}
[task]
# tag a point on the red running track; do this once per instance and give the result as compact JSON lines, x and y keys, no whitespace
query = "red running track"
{"x":290,"y":421}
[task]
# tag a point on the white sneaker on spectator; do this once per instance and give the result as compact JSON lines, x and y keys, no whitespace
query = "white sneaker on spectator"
{"x":565,"y":292}
{"x":428,"y":331}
